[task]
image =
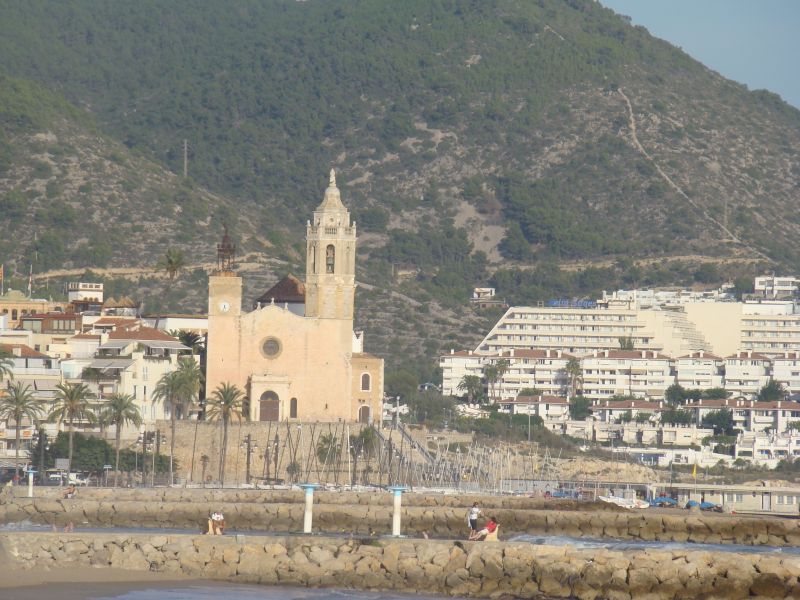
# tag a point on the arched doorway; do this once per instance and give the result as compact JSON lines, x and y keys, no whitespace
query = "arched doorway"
{"x":269,"y":407}
{"x":363,"y":414}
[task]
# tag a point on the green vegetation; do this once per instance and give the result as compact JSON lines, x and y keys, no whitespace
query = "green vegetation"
{"x":579,"y":408}
{"x":721,"y":421}
{"x":91,"y":454}
{"x":513,"y":107}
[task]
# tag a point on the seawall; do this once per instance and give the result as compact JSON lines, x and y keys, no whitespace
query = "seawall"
{"x":282,"y":512}
{"x":481,"y":570}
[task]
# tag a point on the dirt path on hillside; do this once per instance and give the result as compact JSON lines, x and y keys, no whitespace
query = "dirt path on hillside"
{"x":706,"y":215}
{"x":242,"y":265}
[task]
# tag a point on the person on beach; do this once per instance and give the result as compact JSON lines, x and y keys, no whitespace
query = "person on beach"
{"x":488,"y":529}
{"x":472,"y":518}
{"x":70,"y":492}
{"x":216,"y":524}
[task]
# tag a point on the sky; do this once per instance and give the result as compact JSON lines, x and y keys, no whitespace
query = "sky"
{"x":755,"y":42}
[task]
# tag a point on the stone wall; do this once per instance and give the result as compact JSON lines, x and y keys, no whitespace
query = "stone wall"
{"x":288,"y":496}
{"x":451,"y":568}
{"x":273,"y":513}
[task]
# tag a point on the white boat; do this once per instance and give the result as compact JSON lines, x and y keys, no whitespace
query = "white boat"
{"x":625,"y":502}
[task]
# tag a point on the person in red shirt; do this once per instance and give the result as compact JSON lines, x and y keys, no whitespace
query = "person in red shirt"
{"x":490,"y":527}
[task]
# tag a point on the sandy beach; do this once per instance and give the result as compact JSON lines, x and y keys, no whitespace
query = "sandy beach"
{"x":69,"y":583}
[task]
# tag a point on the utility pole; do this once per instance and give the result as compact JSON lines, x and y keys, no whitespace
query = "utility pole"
{"x":185,"y":159}
{"x":247,"y":443}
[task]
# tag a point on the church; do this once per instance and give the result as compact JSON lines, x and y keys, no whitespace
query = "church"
{"x":295,"y":353}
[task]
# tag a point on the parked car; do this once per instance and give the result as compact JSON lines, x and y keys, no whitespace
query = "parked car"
{"x":56,"y":477}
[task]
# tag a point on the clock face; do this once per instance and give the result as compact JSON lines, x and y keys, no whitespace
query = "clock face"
{"x":224,"y":306}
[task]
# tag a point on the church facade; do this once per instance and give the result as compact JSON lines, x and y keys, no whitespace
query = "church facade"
{"x":295,"y":352}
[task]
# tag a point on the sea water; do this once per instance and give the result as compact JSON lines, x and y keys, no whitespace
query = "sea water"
{"x":195,"y":591}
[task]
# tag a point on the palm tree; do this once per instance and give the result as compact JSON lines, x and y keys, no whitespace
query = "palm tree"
{"x":19,"y":403}
{"x":191,"y":339}
{"x":574,"y":373}
{"x":168,"y":390}
{"x":6,"y":364}
{"x":72,"y":403}
{"x":178,"y":390}
{"x":225,"y":404}
{"x":328,"y":449}
{"x":472,"y":387}
{"x":172,"y":262}
{"x":490,"y":374}
{"x":119,"y":410}
{"x":502,"y":368}
{"x":364,"y":446}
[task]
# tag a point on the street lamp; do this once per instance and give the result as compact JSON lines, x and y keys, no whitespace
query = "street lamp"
{"x":249,"y":447}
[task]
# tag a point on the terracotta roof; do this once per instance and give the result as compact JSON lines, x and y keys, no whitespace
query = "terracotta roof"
{"x":288,"y":289}
{"x":622,"y":404}
{"x":533,"y":353}
{"x":126,"y":302}
{"x":117,"y":321}
{"x":749,"y":354}
{"x":22,"y":351}
{"x":517,"y":353}
{"x":628,"y":354}
{"x":536,"y":400}
{"x":85,"y":336}
{"x":143,"y":333}
{"x":788,"y":356}
{"x":701,"y":354}
{"x":462,"y":353}
{"x":740,"y":403}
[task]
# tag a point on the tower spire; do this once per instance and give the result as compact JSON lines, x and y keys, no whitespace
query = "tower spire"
{"x":332,"y":180}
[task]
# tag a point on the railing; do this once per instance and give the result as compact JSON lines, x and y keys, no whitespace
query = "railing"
{"x":415,"y":444}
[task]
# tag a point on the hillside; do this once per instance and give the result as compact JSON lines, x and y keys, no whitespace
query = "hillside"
{"x":548,"y":147}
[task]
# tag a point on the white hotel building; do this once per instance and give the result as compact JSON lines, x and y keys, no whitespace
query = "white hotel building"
{"x":714,"y":342}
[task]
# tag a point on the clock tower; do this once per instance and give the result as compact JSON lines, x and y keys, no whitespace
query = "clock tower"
{"x":224,"y":312}
{"x":224,"y":287}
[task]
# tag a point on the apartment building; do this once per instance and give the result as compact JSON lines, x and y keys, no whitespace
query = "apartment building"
{"x":768,"y":449}
{"x":772,"y":286}
{"x":639,"y":373}
{"x":699,"y":371}
{"x":15,"y":304}
{"x":128,"y":360}
{"x":544,"y":370}
{"x":608,"y":411}
{"x":749,"y":415}
{"x":550,"y":409}
{"x":585,"y":329}
{"x":786,"y":370}
{"x":746,"y":373}
{"x":40,"y":375}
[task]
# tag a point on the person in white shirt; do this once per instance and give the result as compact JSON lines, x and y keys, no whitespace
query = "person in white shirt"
{"x":472,"y":518}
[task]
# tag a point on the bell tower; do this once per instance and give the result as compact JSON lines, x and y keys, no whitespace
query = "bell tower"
{"x":330,"y":258}
{"x":224,"y":287}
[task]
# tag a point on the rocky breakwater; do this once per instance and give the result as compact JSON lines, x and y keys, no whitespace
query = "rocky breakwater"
{"x":436,"y":521}
{"x":286,"y":496}
{"x":450,"y":568}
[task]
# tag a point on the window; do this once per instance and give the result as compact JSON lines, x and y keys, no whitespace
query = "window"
{"x":365,"y":382}
{"x":330,"y":259}
{"x":293,"y":408}
{"x":13,"y":314}
{"x":271,"y":347}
